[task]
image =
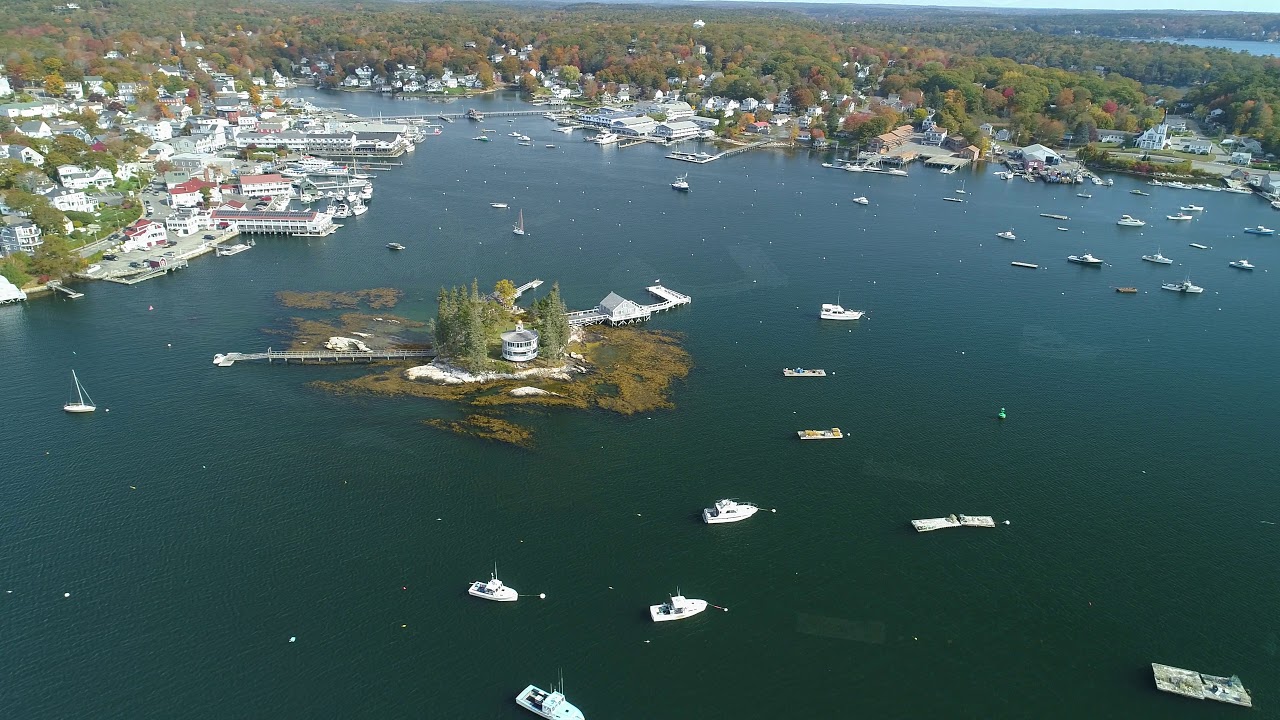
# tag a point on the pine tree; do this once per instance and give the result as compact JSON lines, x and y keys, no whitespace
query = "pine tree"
{"x":553,"y":329}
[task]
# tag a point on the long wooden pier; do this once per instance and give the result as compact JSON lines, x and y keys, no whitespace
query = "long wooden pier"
{"x":596,"y":316}
{"x":285,"y":356}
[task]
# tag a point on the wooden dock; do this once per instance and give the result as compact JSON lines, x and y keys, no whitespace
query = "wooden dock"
{"x":59,"y":287}
{"x":320,"y":357}
{"x":703,"y":158}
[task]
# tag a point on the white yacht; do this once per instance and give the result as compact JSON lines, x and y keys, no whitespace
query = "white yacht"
{"x":728,"y":511}
{"x":1183,"y":287}
{"x":678,"y":608}
{"x":1191,"y":208}
{"x":1260,"y":230}
{"x":1130,"y":221}
{"x":77,"y":403}
{"x":948,"y":171}
{"x":1085,"y":259}
{"x":1007,"y":235}
{"x":837,"y":312}
{"x":854,"y":167}
{"x":500,"y":206}
{"x":681,"y":183}
{"x":1157,"y":259}
{"x":1241,"y":264}
{"x":358,"y":207}
{"x":552,"y":705}
{"x":861,"y":200}
{"x":493,"y":590}
{"x":605,"y":138}
{"x":341,"y":210}
{"x":1180,"y":216}
{"x":1084,"y":195}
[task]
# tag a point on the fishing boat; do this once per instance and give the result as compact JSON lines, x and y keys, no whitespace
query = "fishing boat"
{"x":394,"y":246}
{"x":76,"y":399}
{"x":1007,"y":235}
{"x":1157,"y":259}
{"x":549,"y":146}
{"x":1241,"y":264}
{"x":1183,"y":287}
{"x":1138,"y":192}
{"x":1083,"y":195}
{"x":493,"y":590}
{"x":1260,"y":230}
{"x":358,"y":207}
{"x":832,"y":434}
{"x":1180,"y":216}
{"x":1127,"y":290}
{"x":861,"y":200}
{"x":681,"y":183}
{"x":678,"y":607}
{"x":801,"y":372}
{"x":728,"y":511}
{"x":518,"y":228}
{"x":500,"y":206}
{"x":1191,"y":208}
{"x":1130,"y":221}
{"x":1085,"y":259}
{"x":481,"y":138}
{"x":551,"y":705}
{"x":1062,"y":229}
{"x":835,"y":311}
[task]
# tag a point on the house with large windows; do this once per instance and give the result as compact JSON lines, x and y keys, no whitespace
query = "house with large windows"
{"x":19,"y":234}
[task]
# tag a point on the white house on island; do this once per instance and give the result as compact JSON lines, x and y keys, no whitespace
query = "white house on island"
{"x":520,"y":345}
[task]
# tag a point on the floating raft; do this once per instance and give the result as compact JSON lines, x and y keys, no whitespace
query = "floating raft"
{"x":1127,"y":290}
{"x":801,"y":372}
{"x":951,"y":521}
{"x":1199,"y":686}
{"x":1025,"y":265}
{"x":832,"y":434}
{"x":1054,"y":216}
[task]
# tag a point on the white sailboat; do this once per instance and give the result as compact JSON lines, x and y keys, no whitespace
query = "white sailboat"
{"x":76,"y":400}
{"x":518,"y":228}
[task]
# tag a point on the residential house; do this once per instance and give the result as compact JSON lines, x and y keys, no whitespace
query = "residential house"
{"x":73,"y":91}
{"x":986,"y":129}
{"x":127,"y":92}
{"x":94,"y":85}
{"x":64,"y":127}
{"x":19,"y":234}
{"x":970,"y":152}
{"x":23,"y":153}
{"x":71,"y":200}
{"x":1199,"y":146}
{"x":75,"y":177}
{"x":955,"y":143}
{"x":143,"y":234}
{"x":157,"y":131}
{"x":1154,"y":138}
{"x":1271,"y":183}
{"x":759,"y":127}
{"x":190,"y":193}
{"x":38,"y":129}
{"x":1114,"y":136}
{"x":159,"y":152}
{"x":935,"y":135}
{"x":1241,"y":157}
{"x":5,"y":89}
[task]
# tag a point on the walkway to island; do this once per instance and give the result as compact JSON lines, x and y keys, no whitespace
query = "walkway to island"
{"x":229,"y":359}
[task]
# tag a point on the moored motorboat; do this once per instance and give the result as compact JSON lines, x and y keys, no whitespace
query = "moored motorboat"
{"x":1130,"y":221}
{"x":682,"y":183}
{"x":861,"y":200}
{"x":1085,"y":259}
{"x":835,"y":311}
{"x":1179,"y":216}
{"x":493,"y":590}
{"x":1007,"y":235}
{"x":1183,"y":287}
{"x":394,"y":246}
{"x":551,"y":705}
{"x":1241,"y":264}
{"x":1191,"y":208}
{"x":500,"y":206}
{"x":1138,"y":192}
{"x":728,"y":511}
{"x":678,"y":607}
{"x":1260,"y":230}
{"x":1158,"y":259}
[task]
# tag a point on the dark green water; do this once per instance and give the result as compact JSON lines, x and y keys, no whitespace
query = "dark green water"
{"x":1137,"y":467}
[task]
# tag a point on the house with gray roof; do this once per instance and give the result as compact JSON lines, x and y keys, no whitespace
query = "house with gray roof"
{"x":619,"y":310}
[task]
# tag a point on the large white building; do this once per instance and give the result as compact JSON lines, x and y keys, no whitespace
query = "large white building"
{"x":74,"y":177}
{"x":143,"y":234}
{"x":188,"y":221}
{"x":633,"y":126}
{"x":280,"y":223}
{"x":71,"y":200}
{"x":1154,"y":138}
{"x":675,"y":131}
{"x":264,"y":185}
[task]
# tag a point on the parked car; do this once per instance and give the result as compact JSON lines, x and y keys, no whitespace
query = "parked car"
{"x":208,"y":237}
{"x":171,"y":243}
{"x":108,"y":256}
{"x":135,"y":264}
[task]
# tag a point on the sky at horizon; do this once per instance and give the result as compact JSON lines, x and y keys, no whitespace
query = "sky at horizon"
{"x":1261,"y":6}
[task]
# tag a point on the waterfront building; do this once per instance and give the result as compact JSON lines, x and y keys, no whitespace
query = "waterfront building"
{"x":264,"y":185}
{"x":603,"y":117}
{"x":633,"y":126}
{"x":143,"y":234}
{"x":1040,"y":155}
{"x":895,"y":138}
{"x":619,"y":310}
{"x":19,"y":234}
{"x":520,"y":345}
{"x":10,"y":293}
{"x":188,"y":221}
{"x":280,"y":223}
{"x":675,"y":131}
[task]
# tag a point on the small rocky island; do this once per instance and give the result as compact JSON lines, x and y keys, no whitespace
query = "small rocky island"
{"x":500,"y":362}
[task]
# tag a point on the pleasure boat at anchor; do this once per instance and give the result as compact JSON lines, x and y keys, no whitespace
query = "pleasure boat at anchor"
{"x":1007,"y":235}
{"x":678,"y":607}
{"x":1191,"y":208}
{"x":861,"y":200}
{"x":1085,"y":259}
{"x":1183,"y":287}
{"x":1157,"y":259}
{"x":728,"y":511}
{"x":500,"y":206}
{"x":1241,"y":264}
{"x":835,"y":311}
{"x":1130,"y":221}
{"x":493,"y":590}
{"x":681,"y":183}
{"x":1260,"y":230}
{"x":394,"y":246}
{"x":551,"y":705}
{"x":78,"y":404}
{"x":1179,"y":216}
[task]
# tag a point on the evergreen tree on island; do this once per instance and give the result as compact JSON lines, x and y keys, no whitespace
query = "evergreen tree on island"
{"x":553,"y":324}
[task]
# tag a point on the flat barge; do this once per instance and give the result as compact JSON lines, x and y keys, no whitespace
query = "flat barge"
{"x":950,"y":521}
{"x":832,"y":434}
{"x":1192,"y":684}
{"x":1054,"y":216}
{"x":1033,"y":266}
{"x":801,"y":372}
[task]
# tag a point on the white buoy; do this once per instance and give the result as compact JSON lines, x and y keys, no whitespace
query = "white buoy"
{"x":542,"y":596}
{"x":66,"y":595}
{"x":293,"y":638}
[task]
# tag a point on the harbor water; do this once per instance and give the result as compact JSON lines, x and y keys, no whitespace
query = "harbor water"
{"x":214,"y":514}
